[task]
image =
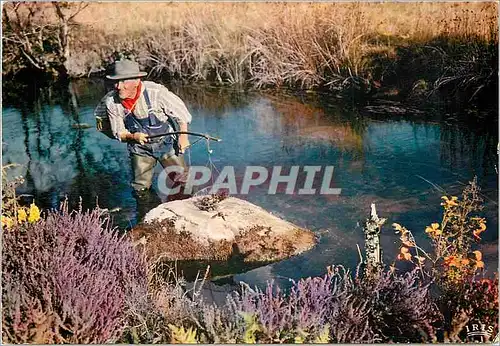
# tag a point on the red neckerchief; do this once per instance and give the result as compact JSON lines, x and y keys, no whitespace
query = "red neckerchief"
{"x":129,"y":103}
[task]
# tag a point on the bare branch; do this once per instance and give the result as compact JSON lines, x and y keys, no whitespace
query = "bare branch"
{"x":6,"y":18}
{"x":81,"y":7}
{"x":59,"y":11}
{"x":31,"y":60}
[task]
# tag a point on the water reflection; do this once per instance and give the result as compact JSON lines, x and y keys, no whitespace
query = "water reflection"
{"x":301,"y":124}
{"x":60,"y":161}
{"x":401,"y":165}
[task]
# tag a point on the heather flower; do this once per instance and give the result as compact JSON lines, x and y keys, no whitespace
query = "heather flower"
{"x":67,"y":278}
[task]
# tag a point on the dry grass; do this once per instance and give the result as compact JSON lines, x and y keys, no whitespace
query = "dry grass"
{"x":395,"y":19}
{"x":302,"y":45}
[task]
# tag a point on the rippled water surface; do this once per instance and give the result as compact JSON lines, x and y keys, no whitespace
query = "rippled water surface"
{"x":403,"y":166}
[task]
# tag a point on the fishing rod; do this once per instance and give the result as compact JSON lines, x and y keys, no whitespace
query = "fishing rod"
{"x":187,"y":133}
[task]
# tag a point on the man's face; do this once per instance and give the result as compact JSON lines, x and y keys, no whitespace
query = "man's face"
{"x":127,"y":88}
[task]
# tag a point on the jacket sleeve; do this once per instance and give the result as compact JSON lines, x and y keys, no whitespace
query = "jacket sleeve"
{"x":108,"y":108}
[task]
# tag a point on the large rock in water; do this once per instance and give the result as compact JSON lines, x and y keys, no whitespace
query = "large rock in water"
{"x":217,"y":228}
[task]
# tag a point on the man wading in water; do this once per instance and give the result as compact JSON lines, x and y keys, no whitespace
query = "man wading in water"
{"x":137,"y":109}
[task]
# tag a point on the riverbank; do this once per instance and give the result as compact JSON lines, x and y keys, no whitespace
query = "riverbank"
{"x":415,"y":51}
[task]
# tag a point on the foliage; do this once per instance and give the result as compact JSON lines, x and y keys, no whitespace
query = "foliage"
{"x":12,"y":213}
{"x":10,"y":202}
{"x":182,"y":336}
{"x":252,"y":327}
{"x":166,"y":303}
{"x":333,"y":308}
{"x":474,"y":301}
{"x":66,"y":278}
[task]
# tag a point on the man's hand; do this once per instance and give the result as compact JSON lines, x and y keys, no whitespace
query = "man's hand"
{"x":183,"y":143}
{"x":183,"y":139}
{"x":139,"y":137}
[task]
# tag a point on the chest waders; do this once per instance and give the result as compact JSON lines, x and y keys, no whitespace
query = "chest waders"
{"x":163,"y":149}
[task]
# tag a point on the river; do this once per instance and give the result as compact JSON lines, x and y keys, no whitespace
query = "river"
{"x":403,"y":165}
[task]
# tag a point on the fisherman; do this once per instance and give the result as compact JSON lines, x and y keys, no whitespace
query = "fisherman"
{"x":136,"y":110}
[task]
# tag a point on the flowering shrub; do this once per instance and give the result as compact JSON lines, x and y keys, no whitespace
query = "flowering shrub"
{"x":67,"y":278}
{"x":453,"y":265}
{"x":452,"y":260}
{"x":332,"y":308}
{"x":148,"y":316}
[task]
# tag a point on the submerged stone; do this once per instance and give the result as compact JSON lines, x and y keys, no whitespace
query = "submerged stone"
{"x":214,"y":228}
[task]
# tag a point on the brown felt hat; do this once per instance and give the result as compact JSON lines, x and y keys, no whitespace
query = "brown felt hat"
{"x":126,"y":69}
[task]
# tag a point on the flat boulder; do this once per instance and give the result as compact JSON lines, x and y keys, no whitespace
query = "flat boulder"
{"x":218,"y":228}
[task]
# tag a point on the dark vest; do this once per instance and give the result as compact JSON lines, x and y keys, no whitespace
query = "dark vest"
{"x":151,"y":126}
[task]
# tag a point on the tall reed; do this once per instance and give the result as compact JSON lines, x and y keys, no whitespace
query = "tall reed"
{"x":303,"y":45}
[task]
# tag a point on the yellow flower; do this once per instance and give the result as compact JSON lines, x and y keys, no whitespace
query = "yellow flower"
{"x":7,"y":222}
{"x":476,"y":233}
{"x":34,"y":213}
{"x":21,"y":215}
{"x":449,"y":202}
{"x":433,"y":229}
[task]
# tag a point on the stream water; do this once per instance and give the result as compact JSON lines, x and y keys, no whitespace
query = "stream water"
{"x":402,"y":165}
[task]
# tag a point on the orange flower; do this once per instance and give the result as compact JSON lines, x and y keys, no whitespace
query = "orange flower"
{"x":407,"y":242}
{"x":404,"y":254}
{"x":451,"y":261}
{"x":479,"y":264}
{"x":478,"y":254}
{"x":476,"y":234}
{"x":481,"y":229}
